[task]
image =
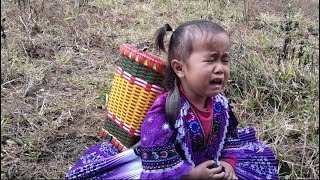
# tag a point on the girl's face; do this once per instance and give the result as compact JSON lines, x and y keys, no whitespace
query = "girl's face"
{"x":207,"y":70}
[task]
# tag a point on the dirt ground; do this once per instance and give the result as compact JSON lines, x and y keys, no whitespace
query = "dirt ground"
{"x":51,"y":106}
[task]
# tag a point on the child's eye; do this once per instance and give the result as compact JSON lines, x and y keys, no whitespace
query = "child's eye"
{"x":225,"y":59}
{"x":209,"y":60}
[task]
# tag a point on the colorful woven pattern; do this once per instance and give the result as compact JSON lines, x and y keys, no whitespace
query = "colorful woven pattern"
{"x":141,"y":71}
{"x":136,"y":85}
{"x":121,"y":135}
{"x":131,"y":98}
{"x":131,"y":131}
{"x":105,"y":134}
{"x":143,"y":57}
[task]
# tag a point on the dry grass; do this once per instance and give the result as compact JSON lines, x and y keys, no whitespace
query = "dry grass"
{"x":58,"y":59}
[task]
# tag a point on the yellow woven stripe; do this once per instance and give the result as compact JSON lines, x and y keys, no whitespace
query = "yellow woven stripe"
{"x":145,"y":62}
{"x":130,"y":102}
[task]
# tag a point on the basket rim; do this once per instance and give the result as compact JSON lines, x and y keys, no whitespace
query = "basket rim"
{"x":137,"y":69}
{"x":134,"y":53}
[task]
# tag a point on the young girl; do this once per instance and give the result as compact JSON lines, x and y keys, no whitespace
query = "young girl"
{"x":190,"y":132}
{"x":193,"y":121}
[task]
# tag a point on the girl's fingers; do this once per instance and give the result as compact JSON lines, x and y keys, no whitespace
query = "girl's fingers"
{"x":227,"y":175}
{"x":235,"y":177}
{"x":208,"y":163}
{"x":216,"y":170}
{"x":219,"y":175}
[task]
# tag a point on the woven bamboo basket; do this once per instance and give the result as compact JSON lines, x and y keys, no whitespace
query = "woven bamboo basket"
{"x":136,"y":85}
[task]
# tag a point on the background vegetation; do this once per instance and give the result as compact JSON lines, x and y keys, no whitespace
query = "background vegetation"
{"x":58,"y":59}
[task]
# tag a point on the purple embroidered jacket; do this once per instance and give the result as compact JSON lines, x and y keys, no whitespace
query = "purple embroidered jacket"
{"x":168,"y":152}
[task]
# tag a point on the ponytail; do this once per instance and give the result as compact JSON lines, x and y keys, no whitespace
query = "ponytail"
{"x":172,"y":107}
{"x":159,"y":36}
{"x":172,"y":81}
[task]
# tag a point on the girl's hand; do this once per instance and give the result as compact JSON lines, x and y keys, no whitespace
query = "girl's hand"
{"x":203,"y":172}
{"x":229,"y":171}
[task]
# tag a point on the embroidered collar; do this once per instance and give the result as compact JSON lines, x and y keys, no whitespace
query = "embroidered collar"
{"x":190,"y":137}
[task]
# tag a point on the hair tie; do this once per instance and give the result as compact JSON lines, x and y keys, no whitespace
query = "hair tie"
{"x":168,"y":27}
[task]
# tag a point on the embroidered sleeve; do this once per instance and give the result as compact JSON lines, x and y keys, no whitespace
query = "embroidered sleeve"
{"x":160,"y":159}
{"x":232,"y":145}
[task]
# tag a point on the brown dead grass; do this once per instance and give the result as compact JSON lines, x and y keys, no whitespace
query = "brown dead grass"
{"x":58,"y":59}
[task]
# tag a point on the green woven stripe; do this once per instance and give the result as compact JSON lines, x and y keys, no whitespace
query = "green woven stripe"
{"x":121,"y":134}
{"x":140,"y":71}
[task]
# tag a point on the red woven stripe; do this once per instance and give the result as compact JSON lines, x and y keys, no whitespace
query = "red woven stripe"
{"x":103,"y":133}
{"x":136,"y":81}
{"x":131,"y":131}
{"x":114,"y":141}
{"x":132,"y":80}
{"x":148,"y":87}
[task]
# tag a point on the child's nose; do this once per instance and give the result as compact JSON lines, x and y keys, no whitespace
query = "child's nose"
{"x":218,"y":69}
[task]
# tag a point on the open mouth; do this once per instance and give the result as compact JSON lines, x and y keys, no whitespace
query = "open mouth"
{"x":216,"y":82}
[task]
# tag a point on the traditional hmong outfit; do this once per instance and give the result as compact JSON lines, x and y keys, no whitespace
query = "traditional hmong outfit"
{"x":170,"y":153}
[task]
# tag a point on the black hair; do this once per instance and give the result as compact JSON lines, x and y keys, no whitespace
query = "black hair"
{"x":180,"y":47}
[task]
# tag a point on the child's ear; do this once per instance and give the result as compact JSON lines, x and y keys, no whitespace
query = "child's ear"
{"x":177,"y":66}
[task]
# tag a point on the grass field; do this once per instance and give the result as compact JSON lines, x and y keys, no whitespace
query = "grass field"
{"x":58,"y":59}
